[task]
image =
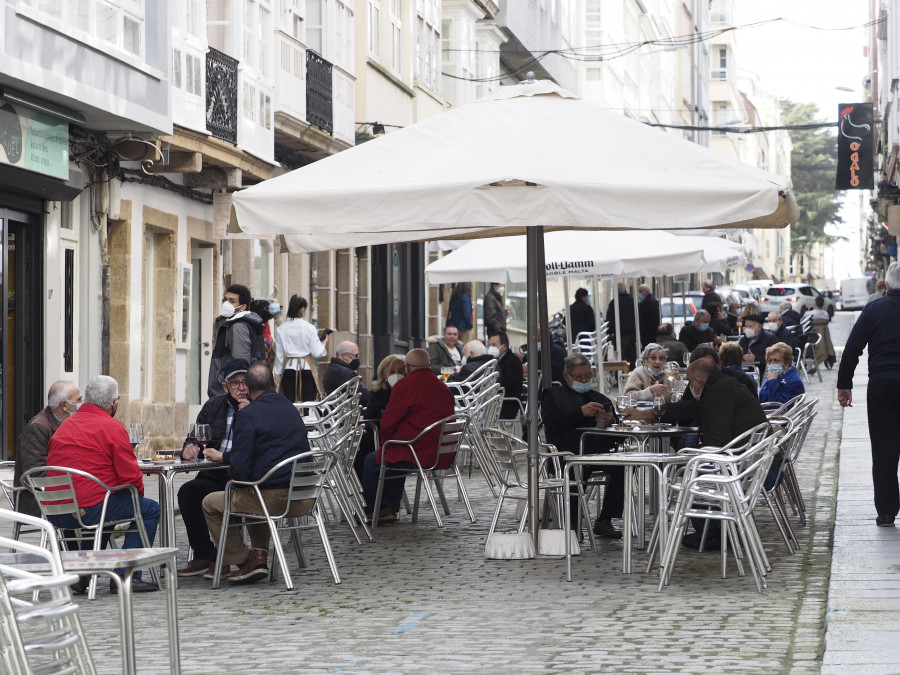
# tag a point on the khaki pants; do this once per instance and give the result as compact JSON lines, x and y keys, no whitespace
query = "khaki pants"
{"x":244,"y":500}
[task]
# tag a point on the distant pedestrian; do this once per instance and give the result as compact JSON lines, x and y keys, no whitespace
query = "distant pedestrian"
{"x":494,"y":310}
{"x":878,"y":327}
{"x":710,"y":297}
{"x":239,"y":335}
{"x":626,"y":346}
{"x":581,"y":314}
{"x":648,"y":314}
{"x":460,"y":310}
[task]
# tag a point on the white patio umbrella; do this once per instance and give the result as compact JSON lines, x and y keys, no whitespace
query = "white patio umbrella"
{"x":527,"y":157}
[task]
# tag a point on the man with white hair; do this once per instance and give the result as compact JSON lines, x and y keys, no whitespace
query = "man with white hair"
{"x":94,"y":442}
{"x":788,"y":314}
{"x":878,"y":326}
{"x":342,"y":368}
{"x":475,"y":355}
{"x":63,"y":399}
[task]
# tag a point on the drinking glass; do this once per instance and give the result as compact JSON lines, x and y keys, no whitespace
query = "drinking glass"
{"x":622,"y":403}
{"x":135,"y":434}
{"x":687,"y":358}
{"x":201,"y":433}
{"x":447,"y":371}
{"x":659,"y":409}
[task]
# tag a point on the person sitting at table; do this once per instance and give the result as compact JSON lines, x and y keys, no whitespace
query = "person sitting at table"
{"x":718,"y":321}
{"x":789,"y":315}
{"x":475,"y":355}
{"x":445,"y":352}
{"x":566,"y":412}
{"x":675,"y":350}
{"x":698,"y":332}
{"x":219,"y":413}
{"x":557,"y":358}
{"x":731,"y":317}
{"x":512,"y":377}
{"x":649,"y":379}
{"x":92,"y":441}
{"x":782,"y":380}
{"x":776,"y":326}
{"x":724,"y":409}
{"x":390,"y":371}
{"x":730,"y":357}
{"x":266,"y":432}
{"x":756,"y":340}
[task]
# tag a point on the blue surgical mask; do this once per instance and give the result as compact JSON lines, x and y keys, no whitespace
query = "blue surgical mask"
{"x":274,"y":309}
{"x":581,"y":387}
{"x":641,"y":296}
{"x":774,"y":368}
{"x":703,"y":326}
{"x":654,"y":373}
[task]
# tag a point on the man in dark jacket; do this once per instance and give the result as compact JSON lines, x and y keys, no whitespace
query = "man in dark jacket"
{"x":239,"y":335}
{"x":475,"y":355}
{"x":756,"y":340}
{"x":776,"y":326}
{"x":63,"y":399}
{"x":266,"y":432}
{"x":219,"y":414}
{"x":698,"y":332}
{"x":710,"y":297}
{"x":789,"y":315}
{"x":648,"y":314}
{"x":627,"y":347}
{"x":566,"y":411}
{"x":494,"y":310}
{"x":511,"y":375}
{"x":581,"y":314}
{"x":878,"y":326}
{"x":665,"y":337}
{"x":342,"y":368}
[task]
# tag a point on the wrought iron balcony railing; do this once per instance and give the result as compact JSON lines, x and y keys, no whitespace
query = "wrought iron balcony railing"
{"x":318,"y":92}
{"x":221,"y":95}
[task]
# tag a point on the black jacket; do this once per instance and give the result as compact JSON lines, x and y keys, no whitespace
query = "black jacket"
{"x":626,"y":321}
{"x":740,"y":377}
{"x":710,"y":298}
{"x":511,"y":379}
{"x":494,"y":313}
{"x":557,"y":360}
{"x":471,"y":366}
{"x":266,"y":432}
{"x":691,"y":336}
{"x":790,"y":317}
{"x":878,"y":326}
{"x":675,"y":350}
{"x":784,"y":334}
{"x":562,"y":417}
{"x":582,"y":316}
{"x":648,"y":318}
{"x":339,"y":372}
{"x":758,"y":345}
{"x":725,"y":410}
{"x":214,"y":413}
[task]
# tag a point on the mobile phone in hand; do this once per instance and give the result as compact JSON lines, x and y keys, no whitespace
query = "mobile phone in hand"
{"x":325,"y":332}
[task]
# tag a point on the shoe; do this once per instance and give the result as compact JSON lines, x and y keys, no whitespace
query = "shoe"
{"x":137,"y":586}
{"x":80,"y":587}
{"x":387,"y":515}
{"x":194,"y":568}
{"x":603,"y":527}
{"x":254,"y":569}
{"x":884,"y":520}
{"x":692,"y":540}
{"x":210,"y":572}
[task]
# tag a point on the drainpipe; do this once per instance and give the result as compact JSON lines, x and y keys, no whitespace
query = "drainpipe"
{"x":103,"y":220}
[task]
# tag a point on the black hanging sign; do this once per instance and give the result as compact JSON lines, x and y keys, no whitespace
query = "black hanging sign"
{"x":855,"y":147}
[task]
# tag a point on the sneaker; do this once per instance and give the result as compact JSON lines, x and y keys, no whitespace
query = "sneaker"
{"x":603,"y":527}
{"x":254,"y":569}
{"x":194,"y":568}
{"x":210,"y":572}
{"x":884,"y":520}
{"x":137,"y":586}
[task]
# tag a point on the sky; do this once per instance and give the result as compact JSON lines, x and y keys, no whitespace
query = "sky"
{"x":807,"y":65}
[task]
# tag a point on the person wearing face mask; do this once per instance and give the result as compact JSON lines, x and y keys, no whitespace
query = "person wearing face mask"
{"x":296,"y":345}
{"x":390,"y":371}
{"x":648,"y":314}
{"x":475,"y":355}
{"x":239,"y":335}
{"x":756,"y":340}
{"x":782,"y":380}
{"x":511,"y":375}
{"x":566,"y":411}
{"x":775,"y":325}
{"x":63,"y":399}
{"x":698,"y":332}
{"x":494,"y":310}
{"x":342,"y":368}
{"x":649,"y":379}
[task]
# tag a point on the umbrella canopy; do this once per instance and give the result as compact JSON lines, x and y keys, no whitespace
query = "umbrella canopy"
{"x":528,"y":155}
{"x":585,"y":254}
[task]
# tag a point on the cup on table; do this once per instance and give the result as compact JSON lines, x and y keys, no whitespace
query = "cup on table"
{"x":446,"y":372}
{"x":135,"y":435}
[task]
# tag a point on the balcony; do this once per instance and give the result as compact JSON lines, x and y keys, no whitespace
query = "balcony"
{"x":221,"y":95}
{"x":319,"y":104}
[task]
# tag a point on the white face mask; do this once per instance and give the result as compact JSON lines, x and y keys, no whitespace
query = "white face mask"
{"x":227,"y":309}
{"x":770,"y":326}
{"x":394,"y":379}
{"x":494,"y":351}
{"x":749,"y":332}
{"x":696,"y":394}
{"x":463,"y":362}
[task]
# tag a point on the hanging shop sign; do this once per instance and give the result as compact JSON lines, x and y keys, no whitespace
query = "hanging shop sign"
{"x":34,"y":141}
{"x":855,"y":147}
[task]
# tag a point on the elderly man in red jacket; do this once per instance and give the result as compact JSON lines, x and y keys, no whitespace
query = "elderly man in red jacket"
{"x":417,"y":400}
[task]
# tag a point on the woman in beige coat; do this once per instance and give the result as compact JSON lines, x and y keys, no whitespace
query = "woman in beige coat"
{"x":649,"y":379}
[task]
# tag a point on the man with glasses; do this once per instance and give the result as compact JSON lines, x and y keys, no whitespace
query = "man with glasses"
{"x":342,"y":368}
{"x":567,"y":411}
{"x":218,"y":413}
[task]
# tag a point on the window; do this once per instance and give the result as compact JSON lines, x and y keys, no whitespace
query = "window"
{"x":186,"y":71}
{"x":396,"y":34}
{"x":374,"y":25}
{"x":428,"y":40}
{"x":263,"y":267}
{"x":314,"y":25}
{"x":720,"y":67}
{"x":101,"y":23}
{"x":256,"y":35}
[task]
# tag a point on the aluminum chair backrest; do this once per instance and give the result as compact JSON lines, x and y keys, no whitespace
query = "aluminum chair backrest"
{"x":332,"y":400}
{"x":55,"y":495}
{"x":6,"y":486}
{"x":510,"y":454}
{"x":452,"y":431}
{"x":795,"y":402}
{"x":307,"y":476}
{"x":747,"y":469}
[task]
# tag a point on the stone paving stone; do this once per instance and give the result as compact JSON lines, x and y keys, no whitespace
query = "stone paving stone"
{"x":421,"y":599}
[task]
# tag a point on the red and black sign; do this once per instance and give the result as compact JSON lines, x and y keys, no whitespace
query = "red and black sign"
{"x":855,"y":147}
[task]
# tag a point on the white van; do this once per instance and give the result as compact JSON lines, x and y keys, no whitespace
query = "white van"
{"x":855,"y":292}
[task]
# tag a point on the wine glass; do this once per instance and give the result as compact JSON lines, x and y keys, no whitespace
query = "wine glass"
{"x":687,"y":358}
{"x":135,"y":435}
{"x":201,"y":433}
{"x":659,"y":409}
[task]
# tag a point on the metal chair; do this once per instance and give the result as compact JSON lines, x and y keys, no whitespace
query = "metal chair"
{"x":13,"y":495}
{"x":308,"y":476}
{"x":806,"y":343}
{"x":450,"y":431}
{"x":56,"y":496}
{"x":38,"y":635}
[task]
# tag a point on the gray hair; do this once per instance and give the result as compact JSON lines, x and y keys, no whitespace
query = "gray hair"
{"x":59,"y":392}
{"x":650,"y":348}
{"x":102,"y":392}
{"x":574,"y":361}
{"x":784,"y":306}
{"x":475,"y":347}
{"x":892,"y":276}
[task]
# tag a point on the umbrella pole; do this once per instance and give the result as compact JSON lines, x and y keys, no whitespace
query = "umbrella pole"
{"x":637,"y":323}
{"x":568,"y":312}
{"x":535,"y":272}
{"x":618,"y":309}
{"x":595,"y":290}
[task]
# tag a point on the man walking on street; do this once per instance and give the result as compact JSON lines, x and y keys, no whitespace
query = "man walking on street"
{"x":494,"y":310}
{"x":878,"y":326}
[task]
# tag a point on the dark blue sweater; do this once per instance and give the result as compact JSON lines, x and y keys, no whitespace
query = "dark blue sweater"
{"x":878,"y":326}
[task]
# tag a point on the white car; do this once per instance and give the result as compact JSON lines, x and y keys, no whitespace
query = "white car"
{"x":801,"y":297}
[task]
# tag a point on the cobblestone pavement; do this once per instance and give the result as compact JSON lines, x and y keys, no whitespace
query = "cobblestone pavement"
{"x":424,"y":600}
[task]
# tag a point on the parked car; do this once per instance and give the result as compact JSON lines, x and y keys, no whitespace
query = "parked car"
{"x":801,"y":297}
{"x":747,"y":293}
{"x":677,"y":310}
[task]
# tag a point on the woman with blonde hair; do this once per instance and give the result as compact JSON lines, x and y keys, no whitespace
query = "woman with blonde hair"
{"x":390,"y":371}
